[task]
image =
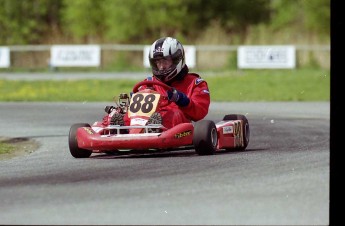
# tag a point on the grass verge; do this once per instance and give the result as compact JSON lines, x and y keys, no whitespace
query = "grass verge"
{"x":237,"y":85}
{"x":12,"y":147}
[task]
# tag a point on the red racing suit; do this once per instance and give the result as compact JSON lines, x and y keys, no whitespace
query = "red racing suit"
{"x":198,"y":93}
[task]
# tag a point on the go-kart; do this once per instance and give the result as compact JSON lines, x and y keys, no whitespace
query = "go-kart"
{"x":205,"y":136}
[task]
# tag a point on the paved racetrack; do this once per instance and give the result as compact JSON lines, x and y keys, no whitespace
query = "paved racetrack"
{"x":282,"y":178}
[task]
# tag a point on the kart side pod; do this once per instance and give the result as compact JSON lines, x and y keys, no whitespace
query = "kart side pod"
{"x":233,"y":132}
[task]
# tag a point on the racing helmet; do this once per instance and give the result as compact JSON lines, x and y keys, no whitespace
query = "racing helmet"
{"x":167,"y":48}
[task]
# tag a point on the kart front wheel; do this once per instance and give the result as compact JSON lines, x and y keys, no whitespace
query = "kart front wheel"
{"x":73,"y":144}
{"x":205,"y":137}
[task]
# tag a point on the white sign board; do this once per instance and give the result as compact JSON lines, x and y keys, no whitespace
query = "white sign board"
{"x":4,"y":57}
{"x":190,"y":56}
{"x":75,"y":55}
{"x":273,"y":56}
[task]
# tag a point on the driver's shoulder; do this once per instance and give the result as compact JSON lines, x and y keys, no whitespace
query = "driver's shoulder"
{"x":190,"y":77}
{"x":193,"y":75}
{"x":194,"y":78}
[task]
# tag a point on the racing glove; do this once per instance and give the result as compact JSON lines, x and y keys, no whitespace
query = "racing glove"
{"x":178,"y":97}
{"x":108,"y":109}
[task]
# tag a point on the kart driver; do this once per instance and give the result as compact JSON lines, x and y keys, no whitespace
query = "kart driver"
{"x":190,"y":94}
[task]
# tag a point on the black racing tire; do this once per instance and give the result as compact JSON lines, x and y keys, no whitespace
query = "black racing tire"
{"x":77,"y":152}
{"x":205,"y":137}
{"x":245,"y":128}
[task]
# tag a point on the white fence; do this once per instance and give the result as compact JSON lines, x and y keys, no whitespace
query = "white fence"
{"x":209,"y":56}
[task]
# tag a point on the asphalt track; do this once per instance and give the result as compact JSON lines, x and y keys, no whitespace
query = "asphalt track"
{"x":281,"y":179}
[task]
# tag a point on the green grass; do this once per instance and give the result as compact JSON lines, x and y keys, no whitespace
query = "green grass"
{"x":236,"y":85}
{"x":271,"y":85}
{"x":5,"y":148}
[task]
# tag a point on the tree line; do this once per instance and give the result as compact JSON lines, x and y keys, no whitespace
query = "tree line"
{"x":25,"y":22}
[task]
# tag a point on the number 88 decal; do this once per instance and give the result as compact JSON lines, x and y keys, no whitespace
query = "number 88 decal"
{"x":143,"y":103}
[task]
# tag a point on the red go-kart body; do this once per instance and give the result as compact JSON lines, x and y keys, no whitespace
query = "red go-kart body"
{"x":205,"y":136}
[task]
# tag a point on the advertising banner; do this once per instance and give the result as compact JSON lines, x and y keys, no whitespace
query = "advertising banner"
{"x":272,"y":56}
{"x":75,"y":56}
{"x":4,"y":57}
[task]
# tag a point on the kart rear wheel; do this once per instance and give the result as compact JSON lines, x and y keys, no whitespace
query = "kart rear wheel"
{"x":245,"y":128}
{"x":73,"y":144}
{"x":205,"y":137}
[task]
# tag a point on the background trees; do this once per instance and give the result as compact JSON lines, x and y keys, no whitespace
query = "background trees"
{"x":136,"y":21}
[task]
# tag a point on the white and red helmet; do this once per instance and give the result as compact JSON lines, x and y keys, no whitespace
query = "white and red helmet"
{"x":167,"y":47}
